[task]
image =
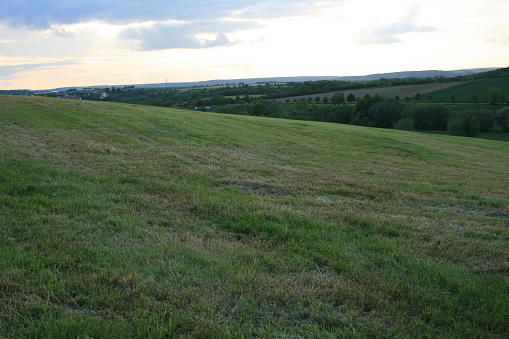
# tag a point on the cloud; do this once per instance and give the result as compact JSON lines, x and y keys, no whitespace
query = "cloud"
{"x":161,"y":36}
{"x":63,"y":33}
{"x":36,"y":14}
{"x":385,"y":34}
{"x":9,"y":70}
{"x":162,"y":24}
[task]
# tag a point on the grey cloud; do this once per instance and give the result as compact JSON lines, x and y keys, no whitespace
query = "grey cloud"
{"x":175,"y":35}
{"x":9,"y":70}
{"x":385,"y":34}
{"x":36,"y":14}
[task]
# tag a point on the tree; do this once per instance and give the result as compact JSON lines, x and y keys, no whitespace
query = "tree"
{"x":338,"y":99}
{"x":418,"y":96}
{"x":325,"y":100}
{"x":365,"y":122}
{"x":486,"y":119}
{"x":494,"y":95}
{"x":455,"y":127}
{"x":502,"y":118}
{"x":467,"y":124}
{"x":260,"y":109}
{"x":318,"y":100}
{"x":385,"y":114}
{"x":340,"y":113}
{"x":350,"y":97}
{"x":300,"y":89}
{"x":301,"y":104}
{"x":429,"y":116}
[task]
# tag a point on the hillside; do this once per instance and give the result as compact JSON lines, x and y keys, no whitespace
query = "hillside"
{"x":369,"y":77}
{"x":131,"y":221}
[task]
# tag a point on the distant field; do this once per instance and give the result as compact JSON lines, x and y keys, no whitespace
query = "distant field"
{"x":401,"y":91}
{"x":127,"y":221}
{"x":465,"y":91}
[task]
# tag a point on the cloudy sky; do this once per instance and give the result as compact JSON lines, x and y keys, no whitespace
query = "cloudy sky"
{"x":54,"y":43}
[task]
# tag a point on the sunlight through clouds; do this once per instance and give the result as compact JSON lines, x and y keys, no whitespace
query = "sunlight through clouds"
{"x":245,"y":38}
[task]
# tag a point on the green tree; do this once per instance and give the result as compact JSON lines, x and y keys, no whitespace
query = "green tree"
{"x":302,"y":104}
{"x":486,"y":119}
{"x":455,"y":127}
{"x":428,"y":117}
{"x":466,"y":124}
{"x":340,"y":113}
{"x":325,"y":100}
{"x":385,"y":114}
{"x":300,"y":89}
{"x":355,"y":121}
{"x":318,"y":100}
{"x":405,"y":124}
{"x":260,"y":109}
{"x":338,"y":99}
{"x":350,"y":97}
{"x":502,"y":118}
{"x":494,"y":95}
{"x":473,"y":126}
{"x":418,"y":96}
{"x":365,"y":122}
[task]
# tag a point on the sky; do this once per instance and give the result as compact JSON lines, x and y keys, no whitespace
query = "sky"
{"x":59,"y":43}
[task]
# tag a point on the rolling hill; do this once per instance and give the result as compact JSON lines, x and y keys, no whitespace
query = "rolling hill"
{"x":131,"y":221}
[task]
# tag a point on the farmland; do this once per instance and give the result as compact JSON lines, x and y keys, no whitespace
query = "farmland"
{"x":466,"y":91}
{"x":121,"y":220}
{"x":391,"y":92}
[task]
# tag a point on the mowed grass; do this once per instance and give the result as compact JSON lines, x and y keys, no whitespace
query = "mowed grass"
{"x":124,"y":221}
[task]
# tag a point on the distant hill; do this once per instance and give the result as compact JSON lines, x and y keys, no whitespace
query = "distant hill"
{"x":393,"y":75}
{"x":409,"y":74}
{"x":417,"y":74}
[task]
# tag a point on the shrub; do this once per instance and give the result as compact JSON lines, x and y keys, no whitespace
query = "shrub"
{"x":502,"y":118}
{"x":405,"y":124}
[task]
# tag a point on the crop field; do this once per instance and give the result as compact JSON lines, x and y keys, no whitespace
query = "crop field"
{"x":126,"y":221}
{"x":465,"y":91}
{"x":391,"y":92}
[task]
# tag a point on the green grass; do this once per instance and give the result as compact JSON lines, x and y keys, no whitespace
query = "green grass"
{"x":132,"y":222}
{"x":464,"y":92}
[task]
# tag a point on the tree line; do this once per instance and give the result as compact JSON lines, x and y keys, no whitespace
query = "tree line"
{"x":381,"y":112}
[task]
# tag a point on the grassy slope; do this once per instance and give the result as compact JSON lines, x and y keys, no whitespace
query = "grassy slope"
{"x":131,"y":221}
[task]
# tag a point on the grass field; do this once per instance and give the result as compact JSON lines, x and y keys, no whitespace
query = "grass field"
{"x":125,"y":221}
{"x":465,"y":91}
